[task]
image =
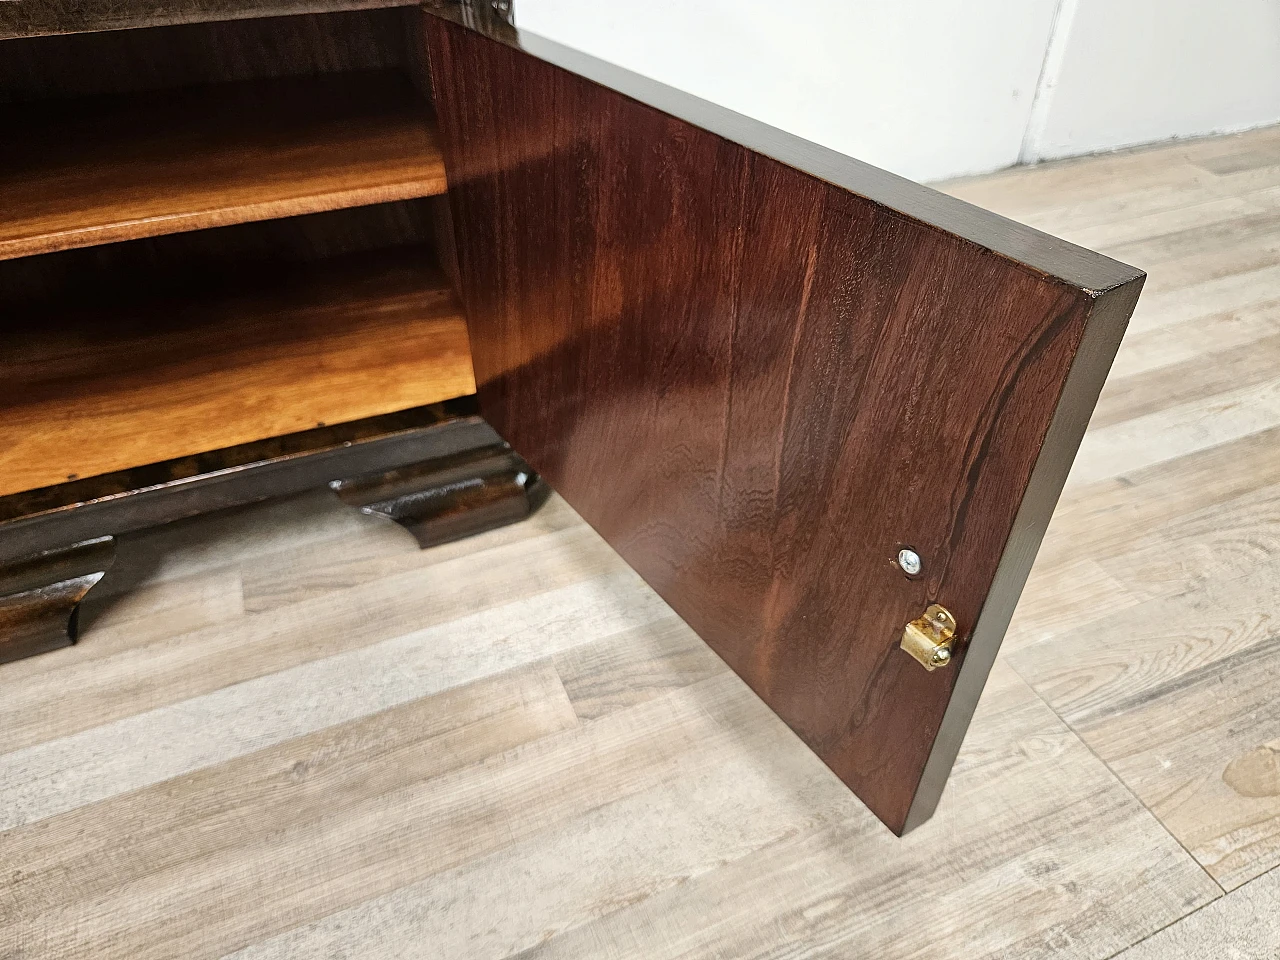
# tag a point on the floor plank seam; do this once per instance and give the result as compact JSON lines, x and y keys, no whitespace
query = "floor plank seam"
{"x":1129,"y":790}
{"x":1191,"y":913}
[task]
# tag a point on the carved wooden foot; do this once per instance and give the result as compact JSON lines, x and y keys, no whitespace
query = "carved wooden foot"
{"x":450,"y":497}
{"x":40,"y":596}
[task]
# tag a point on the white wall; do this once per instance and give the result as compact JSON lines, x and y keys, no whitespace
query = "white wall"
{"x":1138,"y":71}
{"x":925,"y":88}
{"x":940,"y":88}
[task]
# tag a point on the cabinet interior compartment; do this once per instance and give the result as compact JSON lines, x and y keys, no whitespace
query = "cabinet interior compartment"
{"x":133,"y":133}
{"x":214,"y":234}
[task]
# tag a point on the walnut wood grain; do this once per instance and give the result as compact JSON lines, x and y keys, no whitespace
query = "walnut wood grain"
{"x":94,"y":390}
{"x":757,"y":372}
{"x":100,"y":170}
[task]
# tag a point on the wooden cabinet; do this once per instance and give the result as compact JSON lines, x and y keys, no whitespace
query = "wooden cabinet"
{"x":823,"y":411}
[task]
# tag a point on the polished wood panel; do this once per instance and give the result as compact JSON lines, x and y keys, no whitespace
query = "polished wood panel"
{"x":758,"y":383}
{"x":99,"y":170}
{"x":98,"y":389}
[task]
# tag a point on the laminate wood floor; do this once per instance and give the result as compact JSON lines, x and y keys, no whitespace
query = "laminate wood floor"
{"x":289,"y":733}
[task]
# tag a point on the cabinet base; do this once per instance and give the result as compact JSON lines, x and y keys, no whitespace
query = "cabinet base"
{"x":440,"y":471}
{"x":450,"y":498}
{"x":40,"y":596}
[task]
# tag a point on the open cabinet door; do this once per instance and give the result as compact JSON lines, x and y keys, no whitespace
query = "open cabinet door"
{"x":760,"y":369}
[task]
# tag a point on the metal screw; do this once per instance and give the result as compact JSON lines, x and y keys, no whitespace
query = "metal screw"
{"x":909,"y":561}
{"x":941,"y":657}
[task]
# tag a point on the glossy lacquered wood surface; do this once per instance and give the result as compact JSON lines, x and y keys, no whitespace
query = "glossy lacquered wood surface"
{"x":758,"y":385}
{"x":86,"y":390}
{"x":99,"y":170}
{"x":40,"y":597}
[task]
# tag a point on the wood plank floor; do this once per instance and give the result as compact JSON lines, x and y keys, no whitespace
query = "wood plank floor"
{"x":289,"y":733}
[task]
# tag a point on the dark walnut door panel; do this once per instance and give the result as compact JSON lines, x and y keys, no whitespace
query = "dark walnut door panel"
{"x":759,"y":369}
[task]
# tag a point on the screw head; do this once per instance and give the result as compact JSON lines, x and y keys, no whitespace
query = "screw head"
{"x":941,"y":657}
{"x":909,"y":561}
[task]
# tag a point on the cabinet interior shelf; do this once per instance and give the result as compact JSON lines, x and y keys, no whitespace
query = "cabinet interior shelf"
{"x":111,"y":383}
{"x":98,"y":170}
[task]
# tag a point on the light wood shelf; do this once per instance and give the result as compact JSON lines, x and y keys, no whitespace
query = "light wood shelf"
{"x":86,"y":391}
{"x":92,"y":171}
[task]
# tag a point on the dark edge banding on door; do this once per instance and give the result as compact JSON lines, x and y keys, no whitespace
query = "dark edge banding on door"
{"x":1104,"y":329}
